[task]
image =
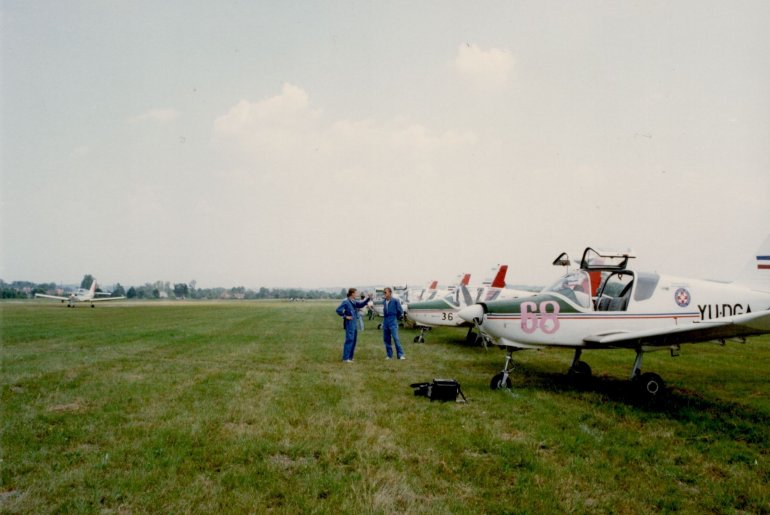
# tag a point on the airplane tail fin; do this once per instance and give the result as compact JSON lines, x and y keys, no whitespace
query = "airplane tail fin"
{"x":93,"y":287}
{"x":756,"y":275}
{"x":466,"y":279}
{"x":433,"y":285}
{"x":499,"y":280}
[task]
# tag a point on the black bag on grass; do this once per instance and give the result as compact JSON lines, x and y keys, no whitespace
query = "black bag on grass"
{"x":439,"y":390}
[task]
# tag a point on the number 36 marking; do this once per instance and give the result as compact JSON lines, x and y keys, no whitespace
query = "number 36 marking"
{"x":547,"y":321}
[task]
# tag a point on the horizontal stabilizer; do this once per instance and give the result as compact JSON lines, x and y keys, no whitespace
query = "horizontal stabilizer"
{"x":105,"y":299}
{"x":44,"y":296}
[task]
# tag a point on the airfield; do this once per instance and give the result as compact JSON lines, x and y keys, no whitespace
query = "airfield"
{"x":244,"y":406}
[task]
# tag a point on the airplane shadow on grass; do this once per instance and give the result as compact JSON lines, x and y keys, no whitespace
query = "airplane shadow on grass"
{"x":728,"y":418}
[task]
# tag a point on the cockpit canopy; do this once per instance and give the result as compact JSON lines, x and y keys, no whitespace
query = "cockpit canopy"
{"x":604,"y":260}
{"x":576,"y":286}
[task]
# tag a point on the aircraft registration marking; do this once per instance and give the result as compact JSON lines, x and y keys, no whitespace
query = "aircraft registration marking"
{"x":721,"y":310}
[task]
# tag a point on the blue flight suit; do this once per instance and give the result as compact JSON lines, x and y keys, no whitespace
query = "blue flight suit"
{"x":349,"y":308}
{"x":393,"y":312}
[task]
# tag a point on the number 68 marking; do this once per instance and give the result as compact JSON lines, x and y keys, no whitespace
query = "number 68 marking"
{"x":547,"y":321}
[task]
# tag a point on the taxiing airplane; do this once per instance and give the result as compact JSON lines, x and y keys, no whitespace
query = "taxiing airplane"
{"x":81,"y":295}
{"x":605,"y":305}
{"x":444,"y":311}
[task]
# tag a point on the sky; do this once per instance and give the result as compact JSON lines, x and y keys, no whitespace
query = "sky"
{"x":347,"y":143}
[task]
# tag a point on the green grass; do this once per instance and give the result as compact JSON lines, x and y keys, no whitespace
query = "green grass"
{"x":246,"y":407}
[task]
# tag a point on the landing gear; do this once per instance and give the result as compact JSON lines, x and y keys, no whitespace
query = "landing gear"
{"x":648,"y":385}
{"x":500,"y":381}
{"x":473,"y":339}
{"x":579,"y":369}
{"x":503,"y":380}
{"x":420,"y":338}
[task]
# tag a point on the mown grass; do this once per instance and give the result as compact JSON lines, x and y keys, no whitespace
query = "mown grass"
{"x":246,"y":407}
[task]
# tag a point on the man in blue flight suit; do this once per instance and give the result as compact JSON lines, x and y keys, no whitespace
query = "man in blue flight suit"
{"x":393,"y":312}
{"x":348,"y":310}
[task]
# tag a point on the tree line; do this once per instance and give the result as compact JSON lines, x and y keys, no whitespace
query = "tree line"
{"x":168,"y":290}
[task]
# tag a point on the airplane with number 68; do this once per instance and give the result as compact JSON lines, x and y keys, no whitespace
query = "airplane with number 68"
{"x":605,"y":305}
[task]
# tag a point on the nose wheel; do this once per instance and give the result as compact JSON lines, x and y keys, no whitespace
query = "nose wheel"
{"x":420,"y":338}
{"x":503,"y":379}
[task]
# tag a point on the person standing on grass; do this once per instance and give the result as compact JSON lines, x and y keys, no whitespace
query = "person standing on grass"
{"x":393,"y":312}
{"x":348,"y":310}
{"x":361,"y":313}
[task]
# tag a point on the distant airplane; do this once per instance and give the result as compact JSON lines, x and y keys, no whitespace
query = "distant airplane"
{"x":419,"y":294}
{"x":81,"y":295}
{"x":444,"y":311}
{"x":604,"y":305}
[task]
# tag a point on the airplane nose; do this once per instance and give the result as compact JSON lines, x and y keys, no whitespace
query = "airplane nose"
{"x":470,"y":313}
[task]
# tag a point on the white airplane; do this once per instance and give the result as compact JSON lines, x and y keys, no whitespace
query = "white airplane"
{"x":420,"y":294}
{"x":82,"y":295}
{"x":604,"y":305}
{"x":444,"y":311}
{"x":378,"y":301}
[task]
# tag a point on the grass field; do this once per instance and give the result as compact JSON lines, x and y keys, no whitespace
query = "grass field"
{"x":246,"y":407}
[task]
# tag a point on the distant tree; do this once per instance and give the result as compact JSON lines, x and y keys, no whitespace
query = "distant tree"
{"x":87,"y":280}
{"x":131,"y":293}
{"x":180,"y":290}
{"x":118,"y":291}
{"x":156,"y":293}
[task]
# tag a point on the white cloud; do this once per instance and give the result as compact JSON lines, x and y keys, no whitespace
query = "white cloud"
{"x":156,"y":115}
{"x":485,"y":69}
{"x":284,"y":133}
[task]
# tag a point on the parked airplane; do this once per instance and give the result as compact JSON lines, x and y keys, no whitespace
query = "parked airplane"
{"x":604,"y":305}
{"x":82,"y":295}
{"x":444,"y":311}
{"x":420,"y":294}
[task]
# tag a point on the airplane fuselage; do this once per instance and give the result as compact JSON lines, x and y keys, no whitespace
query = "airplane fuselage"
{"x":653,"y":302}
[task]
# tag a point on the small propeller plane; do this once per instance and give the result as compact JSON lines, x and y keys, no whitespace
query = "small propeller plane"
{"x":444,"y":311}
{"x":605,"y":305}
{"x":81,"y":295}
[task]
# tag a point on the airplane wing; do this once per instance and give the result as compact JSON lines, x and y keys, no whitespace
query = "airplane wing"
{"x":749,"y":324}
{"x":50,"y":296}
{"x":105,"y":299}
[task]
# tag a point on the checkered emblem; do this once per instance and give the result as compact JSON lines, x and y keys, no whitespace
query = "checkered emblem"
{"x":682,"y":297}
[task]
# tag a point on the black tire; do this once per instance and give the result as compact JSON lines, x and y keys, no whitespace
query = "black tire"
{"x":379,"y":326}
{"x":497,"y":382}
{"x":471,"y":339}
{"x":650,"y":385}
{"x":581,"y":369}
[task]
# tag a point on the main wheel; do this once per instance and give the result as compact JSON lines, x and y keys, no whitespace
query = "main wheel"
{"x":471,"y":339}
{"x":581,"y":369}
{"x":419,"y":339}
{"x":497,"y":382}
{"x":650,"y":385}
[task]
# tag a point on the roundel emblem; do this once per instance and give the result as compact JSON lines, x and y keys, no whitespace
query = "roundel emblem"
{"x":682,"y":297}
